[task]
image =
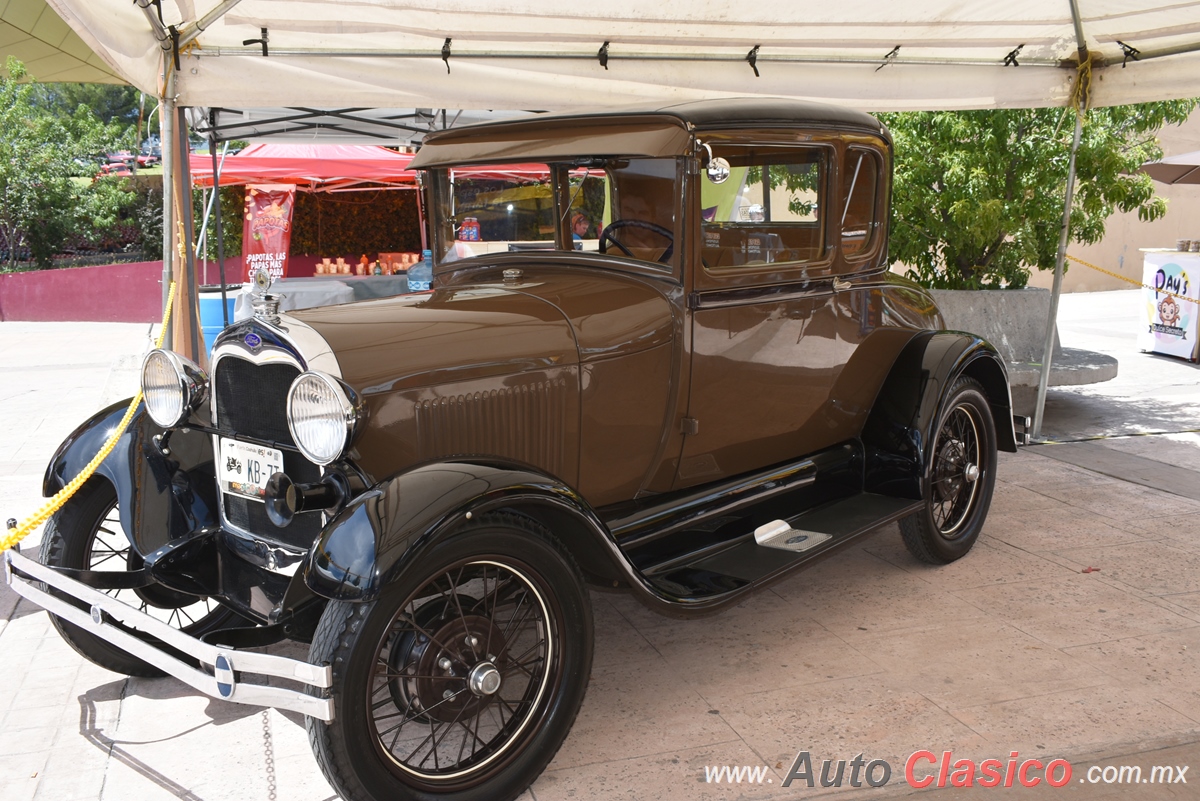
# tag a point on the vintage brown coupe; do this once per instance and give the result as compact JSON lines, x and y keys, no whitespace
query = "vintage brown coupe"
{"x":663,"y":353}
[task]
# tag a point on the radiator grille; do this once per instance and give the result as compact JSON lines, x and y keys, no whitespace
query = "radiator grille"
{"x":525,"y":423}
{"x":251,"y":399}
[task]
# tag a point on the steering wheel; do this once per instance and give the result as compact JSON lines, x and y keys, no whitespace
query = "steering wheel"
{"x":607,"y":236}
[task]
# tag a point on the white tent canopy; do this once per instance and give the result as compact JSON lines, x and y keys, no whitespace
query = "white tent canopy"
{"x":531,"y":54}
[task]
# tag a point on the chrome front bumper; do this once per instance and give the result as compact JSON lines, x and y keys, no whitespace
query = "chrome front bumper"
{"x":23,"y":575}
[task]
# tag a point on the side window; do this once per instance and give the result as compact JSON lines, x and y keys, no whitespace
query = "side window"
{"x":860,"y":187}
{"x":770,"y":209}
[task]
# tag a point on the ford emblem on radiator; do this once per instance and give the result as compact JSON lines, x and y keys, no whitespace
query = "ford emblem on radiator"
{"x":223,"y":673}
{"x":252,"y":340}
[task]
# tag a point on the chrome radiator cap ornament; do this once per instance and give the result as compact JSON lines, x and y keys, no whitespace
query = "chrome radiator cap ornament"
{"x":264,"y":304}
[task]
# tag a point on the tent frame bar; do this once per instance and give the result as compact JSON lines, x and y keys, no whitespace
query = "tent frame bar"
{"x":307,"y":119}
{"x":591,"y":56}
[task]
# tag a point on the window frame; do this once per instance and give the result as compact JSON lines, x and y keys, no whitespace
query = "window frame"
{"x":707,"y":278}
{"x":563,"y":240}
{"x":882,"y":194}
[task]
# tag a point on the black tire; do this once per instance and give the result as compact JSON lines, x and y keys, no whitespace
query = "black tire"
{"x":85,"y":534}
{"x":960,"y":476}
{"x":398,"y":659}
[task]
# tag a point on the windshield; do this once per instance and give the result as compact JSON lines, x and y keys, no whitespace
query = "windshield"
{"x":627,"y":208}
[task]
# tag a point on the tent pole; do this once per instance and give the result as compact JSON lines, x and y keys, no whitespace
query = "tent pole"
{"x":1059,"y":263}
{"x":202,"y":240}
{"x":187,"y":322}
{"x":1083,"y":89}
{"x":166,"y":122}
{"x":212,"y":147}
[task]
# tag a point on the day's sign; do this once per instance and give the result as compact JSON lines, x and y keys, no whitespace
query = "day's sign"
{"x":1172,"y":298}
{"x":267,"y":230}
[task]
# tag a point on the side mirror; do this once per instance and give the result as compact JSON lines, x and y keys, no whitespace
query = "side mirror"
{"x":718,"y":170}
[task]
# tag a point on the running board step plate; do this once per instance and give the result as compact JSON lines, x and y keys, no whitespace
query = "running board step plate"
{"x":778,"y":534}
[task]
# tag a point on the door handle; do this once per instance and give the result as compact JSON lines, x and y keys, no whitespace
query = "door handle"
{"x":839,"y":285}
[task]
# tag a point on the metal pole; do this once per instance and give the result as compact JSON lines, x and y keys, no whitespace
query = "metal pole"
{"x":212,"y":146}
{"x":1059,"y":261}
{"x":1083,"y":89}
{"x":166,"y":122}
{"x":184,"y":180}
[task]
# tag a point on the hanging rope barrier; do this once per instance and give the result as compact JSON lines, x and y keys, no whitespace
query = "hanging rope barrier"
{"x":16,"y":533}
{"x":1129,"y":280}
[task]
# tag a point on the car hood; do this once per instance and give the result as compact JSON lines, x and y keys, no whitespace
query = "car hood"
{"x":449,"y":335}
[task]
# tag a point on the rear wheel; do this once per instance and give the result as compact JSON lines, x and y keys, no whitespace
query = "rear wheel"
{"x":960,"y":476}
{"x":463,"y":679}
{"x":86,"y":534}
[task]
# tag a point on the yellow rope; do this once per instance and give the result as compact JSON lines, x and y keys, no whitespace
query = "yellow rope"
{"x":51,"y":506}
{"x":1081,"y":92}
{"x":1130,"y":280}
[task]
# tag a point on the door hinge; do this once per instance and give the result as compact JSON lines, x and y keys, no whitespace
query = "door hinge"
{"x":689,"y":425}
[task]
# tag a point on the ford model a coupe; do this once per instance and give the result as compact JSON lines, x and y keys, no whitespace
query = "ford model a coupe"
{"x":662,"y":352}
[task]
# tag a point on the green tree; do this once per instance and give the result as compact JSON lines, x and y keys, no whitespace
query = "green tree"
{"x":40,"y":152}
{"x":978,"y":194}
{"x":108,"y":102}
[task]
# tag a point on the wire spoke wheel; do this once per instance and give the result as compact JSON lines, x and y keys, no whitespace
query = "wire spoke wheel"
{"x":86,"y":534}
{"x":463,"y":666}
{"x":955,"y":470}
{"x":462,"y":679}
{"x":959,"y":478}
{"x":109,"y":550}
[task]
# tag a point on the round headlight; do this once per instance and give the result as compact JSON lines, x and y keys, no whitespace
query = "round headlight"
{"x":321,"y":416}
{"x":172,"y":387}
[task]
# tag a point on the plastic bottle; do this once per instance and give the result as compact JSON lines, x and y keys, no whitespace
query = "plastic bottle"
{"x":420,"y":275}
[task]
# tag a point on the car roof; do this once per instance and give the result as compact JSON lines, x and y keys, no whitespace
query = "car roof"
{"x":659,"y":130}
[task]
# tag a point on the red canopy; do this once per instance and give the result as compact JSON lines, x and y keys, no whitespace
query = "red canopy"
{"x":323,"y":166}
{"x":328,"y":167}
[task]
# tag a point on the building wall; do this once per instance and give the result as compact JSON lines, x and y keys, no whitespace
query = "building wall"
{"x":110,"y":293}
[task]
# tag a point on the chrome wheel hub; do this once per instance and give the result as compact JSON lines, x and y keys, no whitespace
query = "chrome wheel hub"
{"x":484,"y":679}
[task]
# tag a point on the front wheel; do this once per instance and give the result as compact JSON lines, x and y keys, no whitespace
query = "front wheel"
{"x":959,"y":478}
{"x":463,"y":679}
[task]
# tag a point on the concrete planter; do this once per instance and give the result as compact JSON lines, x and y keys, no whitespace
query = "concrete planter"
{"x":1014,"y":321}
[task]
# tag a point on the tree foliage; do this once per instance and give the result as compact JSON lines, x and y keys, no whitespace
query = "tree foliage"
{"x":108,"y":102}
{"x":978,"y":196}
{"x":41,"y":150}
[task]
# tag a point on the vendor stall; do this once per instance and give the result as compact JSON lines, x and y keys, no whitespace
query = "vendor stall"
{"x":320,"y":171}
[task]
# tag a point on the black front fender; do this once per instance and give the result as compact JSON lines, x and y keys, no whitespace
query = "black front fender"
{"x":388,"y":527}
{"x":159,"y":496}
{"x":899,"y":429}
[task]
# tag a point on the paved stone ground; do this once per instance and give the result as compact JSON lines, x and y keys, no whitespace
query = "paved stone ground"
{"x":1013,"y":648}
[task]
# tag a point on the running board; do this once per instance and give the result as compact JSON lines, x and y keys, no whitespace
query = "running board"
{"x":784,"y":545}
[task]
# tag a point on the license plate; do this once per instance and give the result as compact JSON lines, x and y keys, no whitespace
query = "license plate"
{"x":244,"y":469}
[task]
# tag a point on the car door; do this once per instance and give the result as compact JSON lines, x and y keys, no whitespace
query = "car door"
{"x":773,"y":322}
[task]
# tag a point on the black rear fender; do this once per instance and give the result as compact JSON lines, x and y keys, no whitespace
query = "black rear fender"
{"x":389,"y":527}
{"x":899,"y":429}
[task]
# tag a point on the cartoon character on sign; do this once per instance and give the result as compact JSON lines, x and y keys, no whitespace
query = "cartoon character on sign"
{"x":1168,"y":311}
